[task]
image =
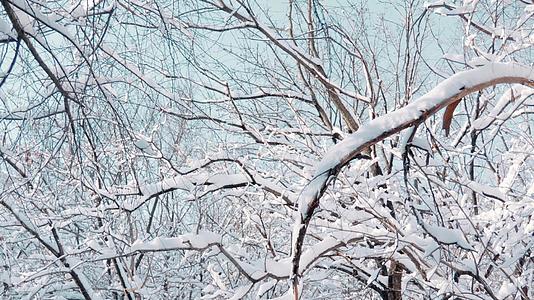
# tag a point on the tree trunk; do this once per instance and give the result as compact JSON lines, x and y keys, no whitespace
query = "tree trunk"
{"x":394,"y":281}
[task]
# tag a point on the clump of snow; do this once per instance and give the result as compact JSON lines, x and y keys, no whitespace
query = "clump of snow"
{"x":506,"y":289}
{"x":448,"y":236}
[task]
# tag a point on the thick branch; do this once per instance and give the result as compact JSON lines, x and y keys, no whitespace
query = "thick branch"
{"x":452,"y":89}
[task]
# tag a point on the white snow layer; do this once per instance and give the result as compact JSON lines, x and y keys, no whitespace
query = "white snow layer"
{"x":386,"y":125}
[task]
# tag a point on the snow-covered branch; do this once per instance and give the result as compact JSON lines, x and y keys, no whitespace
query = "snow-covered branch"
{"x":452,"y":89}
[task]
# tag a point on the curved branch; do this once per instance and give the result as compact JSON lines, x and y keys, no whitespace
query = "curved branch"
{"x":450,"y":90}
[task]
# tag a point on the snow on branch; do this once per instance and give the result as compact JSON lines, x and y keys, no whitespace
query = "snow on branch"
{"x":254,"y":271}
{"x":448,"y":91}
{"x":201,"y":182}
{"x":190,"y":241}
{"x":55,"y":248}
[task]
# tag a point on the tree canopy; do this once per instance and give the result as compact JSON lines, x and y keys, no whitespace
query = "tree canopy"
{"x":244,"y":149}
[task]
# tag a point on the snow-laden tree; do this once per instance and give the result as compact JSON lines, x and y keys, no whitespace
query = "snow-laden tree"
{"x":214,"y":149}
